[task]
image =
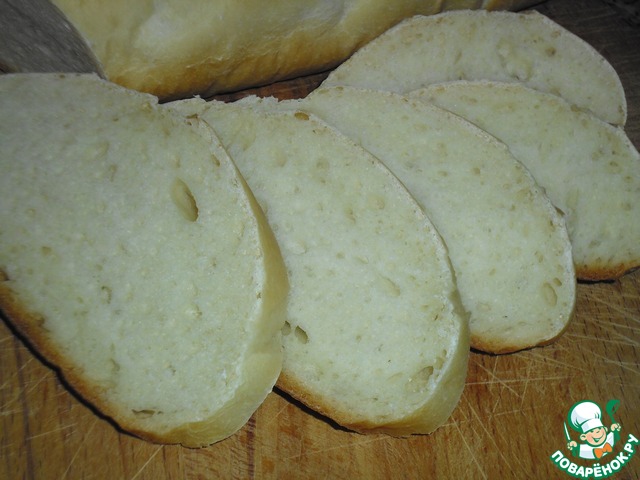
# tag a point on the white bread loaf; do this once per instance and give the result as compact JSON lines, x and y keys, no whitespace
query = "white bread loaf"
{"x":509,"y":247}
{"x":477,"y":45}
{"x":178,"y":48}
{"x":589,"y":169}
{"x":375,"y":338}
{"x":134,"y":258}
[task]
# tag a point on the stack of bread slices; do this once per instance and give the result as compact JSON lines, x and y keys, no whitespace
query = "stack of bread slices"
{"x":443,"y":189}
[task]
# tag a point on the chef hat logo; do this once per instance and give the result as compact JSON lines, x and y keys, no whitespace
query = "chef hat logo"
{"x":585,"y":416}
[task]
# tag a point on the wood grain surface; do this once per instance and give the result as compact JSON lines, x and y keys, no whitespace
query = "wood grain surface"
{"x":507,"y":425}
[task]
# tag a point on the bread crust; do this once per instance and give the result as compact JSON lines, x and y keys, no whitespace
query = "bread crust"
{"x":29,"y":326}
{"x":176,"y":49}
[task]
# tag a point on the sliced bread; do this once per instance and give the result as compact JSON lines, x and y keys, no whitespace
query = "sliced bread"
{"x":508,"y":245}
{"x":588,"y":168}
{"x":478,"y":45}
{"x":376,"y":338}
{"x":134,"y":258}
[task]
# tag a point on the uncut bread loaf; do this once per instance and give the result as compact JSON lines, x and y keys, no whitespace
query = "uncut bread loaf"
{"x":376,"y":338}
{"x":526,"y":47}
{"x":508,"y":245}
{"x":135,"y":259}
{"x":589,"y":169}
{"x":179,"y":48}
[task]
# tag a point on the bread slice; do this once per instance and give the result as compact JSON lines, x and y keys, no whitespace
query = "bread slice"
{"x":509,"y":247}
{"x":478,"y":45}
{"x":135,"y":259}
{"x":376,"y":338}
{"x":588,"y":168}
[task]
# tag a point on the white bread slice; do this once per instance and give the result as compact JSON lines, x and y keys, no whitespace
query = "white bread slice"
{"x":135,"y":259}
{"x":376,"y":338}
{"x":508,"y":245}
{"x":589,"y":169}
{"x":478,"y":45}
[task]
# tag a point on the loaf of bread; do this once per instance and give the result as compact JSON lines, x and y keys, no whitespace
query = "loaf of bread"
{"x":376,"y":338}
{"x":588,"y":168}
{"x":528,"y":48}
{"x":508,"y":245}
{"x":134,"y":258}
{"x":178,"y":48}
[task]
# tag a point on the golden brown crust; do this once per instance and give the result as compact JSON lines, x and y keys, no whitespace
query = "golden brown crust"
{"x":167,"y":48}
{"x":423,"y":420}
{"x":595,"y":273}
{"x":482,"y":344}
{"x":325,"y":407}
{"x":29,"y":325}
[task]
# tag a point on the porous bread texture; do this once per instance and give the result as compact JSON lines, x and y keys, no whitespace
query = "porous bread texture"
{"x":508,"y":245}
{"x":526,"y":47}
{"x":376,"y":338}
{"x":179,"y":48}
{"x":135,"y":259}
{"x":589,"y":169}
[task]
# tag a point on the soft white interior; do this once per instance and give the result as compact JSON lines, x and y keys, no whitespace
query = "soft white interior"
{"x":503,"y":46}
{"x":589,"y":169}
{"x":136,"y":242}
{"x":508,"y":245}
{"x":373,"y":327}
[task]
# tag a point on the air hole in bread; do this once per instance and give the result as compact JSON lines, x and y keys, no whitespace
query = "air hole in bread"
{"x":286,"y":329}
{"x":390,"y":286}
{"x":146,"y":413}
{"x":350,"y":214}
{"x":105,"y":294}
{"x":377,"y":202}
{"x":322,"y":165}
{"x":113,"y":169}
{"x":301,"y":335}
{"x":281,"y":159}
{"x":114,"y":366}
{"x":439,"y":363}
{"x":184,"y":200}
{"x":549,"y":294}
{"x":420,"y":380}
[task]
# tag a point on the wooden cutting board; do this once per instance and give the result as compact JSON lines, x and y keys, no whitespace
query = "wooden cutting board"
{"x":509,"y":422}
